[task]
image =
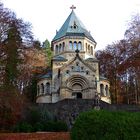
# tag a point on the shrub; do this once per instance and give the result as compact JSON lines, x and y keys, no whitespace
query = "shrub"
{"x":51,"y":126}
{"x":55,"y":126}
{"x":37,"y":119}
{"x":38,"y":127}
{"x":60,"y":126}
{"x":33,"y":115}
{"x":23,"y":127}
{"x":105,"y":125}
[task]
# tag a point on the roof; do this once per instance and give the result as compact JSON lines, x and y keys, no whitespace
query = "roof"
{"x":73,"y":27}
{"x":47,"y":75}
{"x":103,"y":78}
{"x":59,"y":58}
{"x":92,"y":60}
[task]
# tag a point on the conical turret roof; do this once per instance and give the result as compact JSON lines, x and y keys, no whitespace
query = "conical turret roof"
{"x":73,"y":27}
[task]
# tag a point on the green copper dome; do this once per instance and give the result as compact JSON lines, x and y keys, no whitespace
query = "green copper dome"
{"x":73,"y":27}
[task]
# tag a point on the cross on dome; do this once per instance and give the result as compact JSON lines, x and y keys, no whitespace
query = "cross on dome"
{"x":72,"y":7}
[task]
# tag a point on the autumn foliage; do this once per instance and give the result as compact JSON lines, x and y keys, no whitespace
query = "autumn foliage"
{"x":120,"y":63}
{"x":19,"y":56}
{"x":11,"y":109}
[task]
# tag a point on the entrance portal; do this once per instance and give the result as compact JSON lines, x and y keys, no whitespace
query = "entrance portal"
{"x":78,"y":95}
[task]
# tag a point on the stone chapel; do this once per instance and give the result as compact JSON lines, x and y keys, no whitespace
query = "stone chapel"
{"x":75,"y":70}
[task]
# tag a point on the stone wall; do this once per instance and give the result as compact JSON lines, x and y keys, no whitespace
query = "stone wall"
{"x":120,"y":107}
{"x":68,"y":109}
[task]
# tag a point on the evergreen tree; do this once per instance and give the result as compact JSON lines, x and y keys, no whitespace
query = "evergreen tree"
{"x":48,"y":51}
{"x":15,"y":37}
{"x":12,"y":60}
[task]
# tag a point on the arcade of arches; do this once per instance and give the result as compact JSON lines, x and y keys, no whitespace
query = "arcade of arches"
{"x":73,"y":45}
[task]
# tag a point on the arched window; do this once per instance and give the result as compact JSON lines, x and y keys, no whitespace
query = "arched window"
{"x":42,"y":88}
{"x":79,"y":46}
{"x":96,"y":82}
{"x":70,"y":45}
{"x":91,"y":50}
{"x":87,"y":72}
{"x":56,"y":49}
{"x":67,"y":71}
{"x":75,"y":45}
{"x":60,"y":48}
{"x":38,"y":89}
{"x":106,"y":90}
{"x":88,"y":48}
{"x":48,"y":88}
{"x":102,"y":89}
{"x":63,"y":46}
{"x":72,"y":67}
{"x":74,"y":25}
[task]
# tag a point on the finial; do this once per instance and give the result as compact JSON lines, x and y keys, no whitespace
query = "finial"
{"x":72,"y":7}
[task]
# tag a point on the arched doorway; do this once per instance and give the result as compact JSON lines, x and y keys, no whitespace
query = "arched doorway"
{"x":79,"y":95}
{"x":77,"y":84}
{"x":77,"y":88}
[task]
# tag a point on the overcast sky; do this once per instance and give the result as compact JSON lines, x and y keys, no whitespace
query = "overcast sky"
{"x":105,"y":19}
